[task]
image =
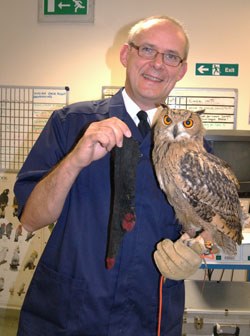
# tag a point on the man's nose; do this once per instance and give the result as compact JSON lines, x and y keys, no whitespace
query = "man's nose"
{"x":158,"y":60}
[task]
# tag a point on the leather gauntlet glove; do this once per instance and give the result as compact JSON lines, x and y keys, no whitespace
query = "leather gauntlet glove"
{"x":177,"y":261}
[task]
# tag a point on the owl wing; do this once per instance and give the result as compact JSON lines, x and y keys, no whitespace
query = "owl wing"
{"x":211,"y":188}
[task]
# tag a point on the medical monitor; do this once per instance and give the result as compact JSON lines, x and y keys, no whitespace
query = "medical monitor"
{"x":233,"y":146}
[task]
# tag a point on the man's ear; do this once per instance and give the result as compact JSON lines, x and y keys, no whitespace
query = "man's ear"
{"x":182,"y":71}
{"x":124,"y":54}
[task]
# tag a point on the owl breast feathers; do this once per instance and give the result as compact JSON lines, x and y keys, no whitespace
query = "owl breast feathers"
{"x":201,"y":187}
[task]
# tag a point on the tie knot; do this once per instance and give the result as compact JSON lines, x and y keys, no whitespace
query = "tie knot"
{"x":142,"y":115}
{"x":143,"y":125}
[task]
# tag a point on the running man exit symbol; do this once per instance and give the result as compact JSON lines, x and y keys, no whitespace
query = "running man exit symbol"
{"x":65,"y":7}
{"x":216,"y":69}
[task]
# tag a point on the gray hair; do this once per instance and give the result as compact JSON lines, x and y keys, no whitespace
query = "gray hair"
{"x":142,"y":24}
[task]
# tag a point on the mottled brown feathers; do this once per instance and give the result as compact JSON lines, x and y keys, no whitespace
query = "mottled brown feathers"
{"x":201,"y":187}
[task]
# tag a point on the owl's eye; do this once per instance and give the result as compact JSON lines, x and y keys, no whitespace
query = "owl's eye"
{"x":167,"y":120}
{"x":188,"y":123}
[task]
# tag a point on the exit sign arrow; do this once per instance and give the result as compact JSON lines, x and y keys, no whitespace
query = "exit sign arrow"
{"x":202,"y":69}
{"x":65,"y":7}
{"x":61,"y":5}
{"x":216,"y":69}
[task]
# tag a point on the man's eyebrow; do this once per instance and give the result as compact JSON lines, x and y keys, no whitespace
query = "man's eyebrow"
{"x":170,"y":51}
{"x":167,"y":51}
{"x":146,"y":44}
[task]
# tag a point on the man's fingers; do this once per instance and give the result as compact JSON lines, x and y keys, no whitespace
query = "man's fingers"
{"x":176,"y":260}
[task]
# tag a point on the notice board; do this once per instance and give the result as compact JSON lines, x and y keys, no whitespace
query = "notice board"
{"x":220,"y":105}
{"x":24,"y":112}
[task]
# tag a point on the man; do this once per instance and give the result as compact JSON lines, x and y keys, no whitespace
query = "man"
{"x":66,"y":178}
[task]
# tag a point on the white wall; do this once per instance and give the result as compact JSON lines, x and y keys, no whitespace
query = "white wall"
{"x":86,"y":56}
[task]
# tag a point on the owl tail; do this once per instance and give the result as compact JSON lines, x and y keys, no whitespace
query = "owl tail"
{"x":228,"y":246}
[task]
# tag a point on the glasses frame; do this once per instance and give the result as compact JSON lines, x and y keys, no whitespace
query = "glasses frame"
{"x":138,"y":48}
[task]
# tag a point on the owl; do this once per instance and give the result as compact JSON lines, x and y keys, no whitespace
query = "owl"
{"x":201,"y":187}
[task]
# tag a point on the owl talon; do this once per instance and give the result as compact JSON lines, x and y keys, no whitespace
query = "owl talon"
{"x":196,"y":244}
{"x":211,"y":248}
{"x":199,"y":245}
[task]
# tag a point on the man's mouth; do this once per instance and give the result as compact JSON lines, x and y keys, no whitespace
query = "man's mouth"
{"x":152,"y":78}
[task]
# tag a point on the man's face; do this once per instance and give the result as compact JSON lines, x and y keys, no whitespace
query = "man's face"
{"x":149,"y":82}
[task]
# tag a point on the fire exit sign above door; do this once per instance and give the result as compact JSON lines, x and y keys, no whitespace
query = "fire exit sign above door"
{"x":66,"y":11}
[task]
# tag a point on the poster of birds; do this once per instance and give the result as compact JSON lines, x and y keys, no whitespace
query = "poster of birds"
{"x":19,"y":250}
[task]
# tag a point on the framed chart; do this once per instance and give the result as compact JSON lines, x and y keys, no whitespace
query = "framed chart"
{"x":220,"y":105}
{"x":24,"y":112}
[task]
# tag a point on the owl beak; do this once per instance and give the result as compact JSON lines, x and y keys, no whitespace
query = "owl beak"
{"x":175,"y":131}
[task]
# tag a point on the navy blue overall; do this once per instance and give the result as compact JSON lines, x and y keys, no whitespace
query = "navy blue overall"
{"x":72,"y":292}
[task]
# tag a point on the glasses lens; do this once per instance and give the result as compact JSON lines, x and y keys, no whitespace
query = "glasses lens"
{"x":172,"y":59}
{"x":150,"y":53}
{"x":147,"y":52}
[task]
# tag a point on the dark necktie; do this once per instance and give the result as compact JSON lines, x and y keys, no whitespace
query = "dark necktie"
{"x":143,"y":125}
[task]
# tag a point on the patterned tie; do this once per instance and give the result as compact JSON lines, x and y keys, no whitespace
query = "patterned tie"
{"x":143,"y":125}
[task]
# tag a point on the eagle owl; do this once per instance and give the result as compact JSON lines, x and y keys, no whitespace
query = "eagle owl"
{"x":201,"y":187}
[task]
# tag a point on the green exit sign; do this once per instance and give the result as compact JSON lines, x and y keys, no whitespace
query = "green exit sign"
{"x":66,"y":11}
{"x":65,"y":7}
{"x":216,"y":69}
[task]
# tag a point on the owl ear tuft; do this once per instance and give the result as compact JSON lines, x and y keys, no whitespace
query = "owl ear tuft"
{"x":163,"y":105}
{"x":200,"y":111}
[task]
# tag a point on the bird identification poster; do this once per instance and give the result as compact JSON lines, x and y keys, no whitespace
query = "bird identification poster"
{"x":19,"y":250}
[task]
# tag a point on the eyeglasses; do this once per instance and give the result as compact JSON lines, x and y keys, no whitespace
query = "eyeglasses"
{"x":149,"y":53}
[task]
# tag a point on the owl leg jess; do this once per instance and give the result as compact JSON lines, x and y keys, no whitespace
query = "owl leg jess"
{"x":202,"y":243}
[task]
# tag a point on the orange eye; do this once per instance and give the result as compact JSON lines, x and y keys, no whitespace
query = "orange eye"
{"x":188,"y":123}
{"x":167,"y":120}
